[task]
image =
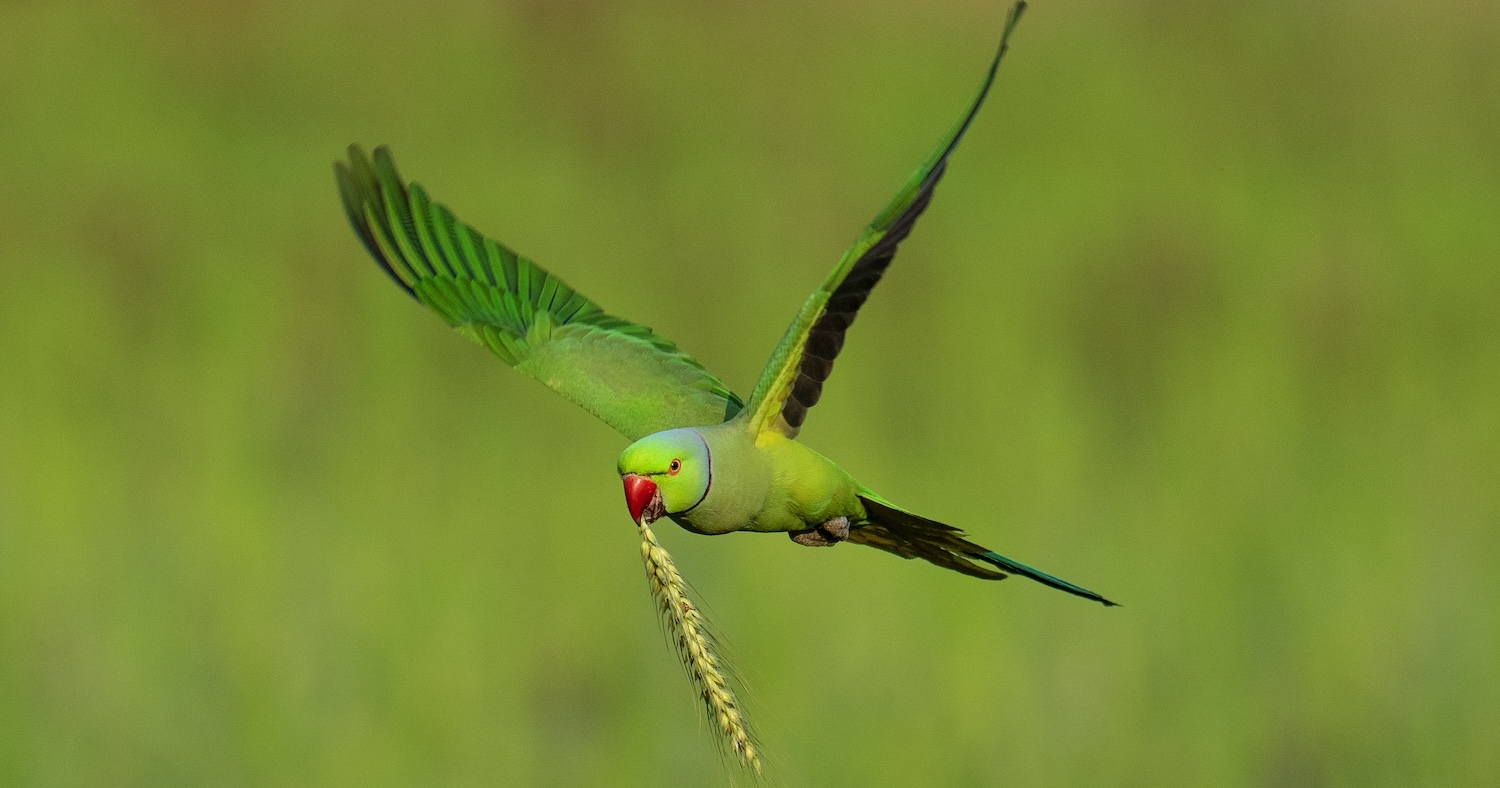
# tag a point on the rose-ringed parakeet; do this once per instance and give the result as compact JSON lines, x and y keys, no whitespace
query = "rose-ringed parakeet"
{"x":701,"y":455}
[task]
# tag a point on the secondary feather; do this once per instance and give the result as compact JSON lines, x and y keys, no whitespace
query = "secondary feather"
{"x":622,"y":372}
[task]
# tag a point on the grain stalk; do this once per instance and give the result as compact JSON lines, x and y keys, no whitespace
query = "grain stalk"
{"x":690,"y":632}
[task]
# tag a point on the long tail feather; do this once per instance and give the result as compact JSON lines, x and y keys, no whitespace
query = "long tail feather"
{"x":911,"y":536}
{"x":1015,"y":567}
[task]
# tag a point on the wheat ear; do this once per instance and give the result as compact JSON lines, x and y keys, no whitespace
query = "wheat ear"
{"x":689,"y":629}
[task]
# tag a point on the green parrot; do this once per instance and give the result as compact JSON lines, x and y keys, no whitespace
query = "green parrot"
{"x":701,"y":455}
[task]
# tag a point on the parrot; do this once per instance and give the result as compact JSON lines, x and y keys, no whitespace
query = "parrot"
{"x":709,"y":460}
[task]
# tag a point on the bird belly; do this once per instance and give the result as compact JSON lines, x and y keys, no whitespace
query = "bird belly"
{"x":724,"y":509}
{"x":776,"y":485}
{"x":738,"y":485}
{"x":806,"y":490}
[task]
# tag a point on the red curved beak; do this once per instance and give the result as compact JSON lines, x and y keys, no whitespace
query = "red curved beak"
{"x":639,"y":493}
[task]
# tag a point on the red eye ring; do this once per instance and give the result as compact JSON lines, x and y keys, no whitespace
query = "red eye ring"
{"x":674,"y":467}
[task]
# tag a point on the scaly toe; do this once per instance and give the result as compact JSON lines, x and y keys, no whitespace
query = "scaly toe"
{"x":826,"y":535}
{"x":835,"y":530}
{"x":811,"y":538}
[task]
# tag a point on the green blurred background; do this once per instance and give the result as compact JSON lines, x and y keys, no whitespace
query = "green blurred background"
{"x":1206,"y":316}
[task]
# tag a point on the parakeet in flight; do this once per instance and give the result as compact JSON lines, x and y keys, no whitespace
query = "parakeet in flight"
{"x":701,"y":455}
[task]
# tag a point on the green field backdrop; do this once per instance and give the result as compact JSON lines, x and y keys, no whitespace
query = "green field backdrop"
{"x":1205,"y":316}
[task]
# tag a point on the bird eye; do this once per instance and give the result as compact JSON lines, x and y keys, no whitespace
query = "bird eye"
{"x":675,"y":466}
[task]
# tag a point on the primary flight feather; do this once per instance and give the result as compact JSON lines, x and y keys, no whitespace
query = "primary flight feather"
{"x":700,"y":455}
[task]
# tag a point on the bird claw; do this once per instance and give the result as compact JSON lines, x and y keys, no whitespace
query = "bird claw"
{"x":826,"y":535}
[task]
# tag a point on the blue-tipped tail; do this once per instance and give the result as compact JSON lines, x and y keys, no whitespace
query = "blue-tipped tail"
{"x":1016,"y":568}
{"x":898,"y":531}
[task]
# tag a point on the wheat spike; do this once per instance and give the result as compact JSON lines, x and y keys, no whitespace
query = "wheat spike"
{"x":690,"y":631}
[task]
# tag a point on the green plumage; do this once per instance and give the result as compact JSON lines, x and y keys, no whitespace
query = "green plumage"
{"x":620,"y":371}
{"x":713,"y":464}
{"x":793,"y":379}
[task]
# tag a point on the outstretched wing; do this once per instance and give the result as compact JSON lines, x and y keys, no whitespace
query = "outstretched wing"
{"x":632,"y":379}
{"x":793,"y":379}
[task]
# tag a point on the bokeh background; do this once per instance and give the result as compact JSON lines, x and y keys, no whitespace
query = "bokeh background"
{"x":1205,"y":316}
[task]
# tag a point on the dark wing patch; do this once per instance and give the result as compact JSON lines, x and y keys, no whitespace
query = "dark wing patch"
{"x":827,"y":336}
{"x":793,"y":379}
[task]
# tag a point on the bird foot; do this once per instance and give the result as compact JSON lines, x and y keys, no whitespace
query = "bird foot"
{"x":826,"y":535}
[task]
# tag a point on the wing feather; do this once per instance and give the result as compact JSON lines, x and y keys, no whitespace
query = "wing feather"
{"x":632,"y":379}
{"x":793,"y":379}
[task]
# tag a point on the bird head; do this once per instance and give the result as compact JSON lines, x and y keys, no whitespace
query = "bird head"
{"x":665,"y":473}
